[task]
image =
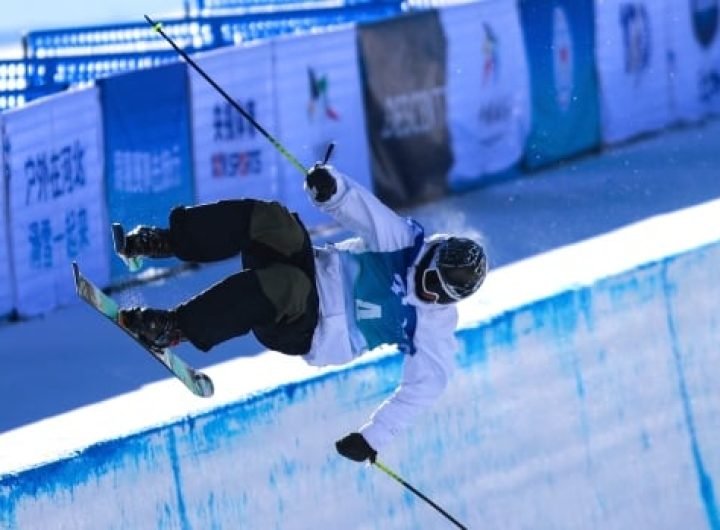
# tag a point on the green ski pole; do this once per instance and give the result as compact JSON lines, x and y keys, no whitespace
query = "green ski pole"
{"x":393,"y":475}
{"x":157,"y":26}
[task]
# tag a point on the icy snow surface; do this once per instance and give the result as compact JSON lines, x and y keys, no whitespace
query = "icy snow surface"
{"x":584,"y":398}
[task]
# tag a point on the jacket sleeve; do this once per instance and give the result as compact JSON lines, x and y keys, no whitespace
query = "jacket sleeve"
{"x":425,"y":376}
{"x":358,"y":210}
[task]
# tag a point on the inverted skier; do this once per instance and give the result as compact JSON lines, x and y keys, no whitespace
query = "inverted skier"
{"x":329,"y":305}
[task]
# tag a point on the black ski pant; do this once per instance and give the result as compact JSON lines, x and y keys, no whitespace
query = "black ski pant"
{"x":274,"y":296}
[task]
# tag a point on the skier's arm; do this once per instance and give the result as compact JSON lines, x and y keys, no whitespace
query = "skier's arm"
{"x":425,"y":376}
{"x":357,"y":209}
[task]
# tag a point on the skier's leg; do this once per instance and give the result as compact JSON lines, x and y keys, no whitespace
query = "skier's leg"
{"x":224,"y":229}
{"x":265,"y":298}
{"x":217,"y":231}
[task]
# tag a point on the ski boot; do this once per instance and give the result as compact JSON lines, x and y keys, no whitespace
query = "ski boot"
{"x":157,"y":328}
{"x":141,"y":241}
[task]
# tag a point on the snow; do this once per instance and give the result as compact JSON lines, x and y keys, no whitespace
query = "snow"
{"x":584,"y":395}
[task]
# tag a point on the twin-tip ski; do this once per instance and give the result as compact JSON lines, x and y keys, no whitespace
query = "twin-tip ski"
{"x":197,"y":382}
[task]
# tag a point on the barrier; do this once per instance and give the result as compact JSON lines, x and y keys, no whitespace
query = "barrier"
{"x":488,"y":100}
{"x":54,"y":159}
{"x":147,"y":147}
{"x":319,"y":100}
{"x":231,"y":158}
{"x":560,"y":43}
{"x":415,"y":128}
{"x":405,"y":107}
{"x":634,"y":82}
{"x":694,"y":57}
{"x":579,"y":400}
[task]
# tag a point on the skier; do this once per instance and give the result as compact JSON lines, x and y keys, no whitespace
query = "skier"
{"x":390,"y":285}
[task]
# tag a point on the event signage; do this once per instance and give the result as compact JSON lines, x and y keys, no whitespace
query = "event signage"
{"x":319,"y":101}
{"x":694,"y":57}
{"x":404,"y":64}
{"x":147,"y":147}
{"x":487,"y":89}
{"x":560,"y":44}
{"x":53,"y":160}
{"x":231,"y":158}
{"x":632,"y":68}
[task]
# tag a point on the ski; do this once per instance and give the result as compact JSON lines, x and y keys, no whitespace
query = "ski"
{"x":118,"y":234}
{"x":197,"y":382}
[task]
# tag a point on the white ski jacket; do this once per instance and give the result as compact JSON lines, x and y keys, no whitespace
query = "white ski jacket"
{"x":367,"y":297}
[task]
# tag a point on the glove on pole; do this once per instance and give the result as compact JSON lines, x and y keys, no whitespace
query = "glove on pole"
{"x":294,"y":161}
{"x":416,"y":492}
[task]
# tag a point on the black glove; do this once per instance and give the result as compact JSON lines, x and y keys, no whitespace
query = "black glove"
{"x":321,"y":182}
{"x":355,"y":447}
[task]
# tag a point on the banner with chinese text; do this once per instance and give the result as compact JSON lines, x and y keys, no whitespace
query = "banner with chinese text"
{"x":232,"y":159}
{"x":147,"y":148}
{"x":53,"y":153}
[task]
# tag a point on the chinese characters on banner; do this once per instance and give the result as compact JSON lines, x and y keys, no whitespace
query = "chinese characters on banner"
{"x":147,"y":139}
{"x":55,"y":199}
{"x":232,"y":159}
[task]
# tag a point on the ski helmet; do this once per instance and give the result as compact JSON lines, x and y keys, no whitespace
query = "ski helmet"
{"x":456,"y":270}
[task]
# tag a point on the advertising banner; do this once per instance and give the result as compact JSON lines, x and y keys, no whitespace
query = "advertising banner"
{"x":488,"y":90}
{"x":404,"y":64}
{"x":231,"y":158}
{"x":6,"y":282}
{"x":694,"y":57}
{"x":632,"y":67}
{"x":54,"y":157}
{"x":147,"y":147}
{"x":319,"y":100}
{"x":560,"y":44}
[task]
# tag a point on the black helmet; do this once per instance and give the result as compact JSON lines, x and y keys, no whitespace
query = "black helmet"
{"x":455,"y":270}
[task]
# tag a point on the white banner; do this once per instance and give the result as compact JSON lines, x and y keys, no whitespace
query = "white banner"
{"x":56,"y":198}
{"x":694,"y":57}
{"x":232,"y":159}
{"x":6,"y":284}
{"x":631,"y":54}
{"x":488,"y":88}
{"x":320,"y":101}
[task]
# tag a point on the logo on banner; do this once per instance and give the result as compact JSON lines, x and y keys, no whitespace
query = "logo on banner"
{"x":319,"y":98}
{"x":491,"y":55}
{"x":635,"y":23}
{"x":497,"y":108}
{"x":705,"y":17}
{"x":563,"y":67}
{"x":413,"y":113}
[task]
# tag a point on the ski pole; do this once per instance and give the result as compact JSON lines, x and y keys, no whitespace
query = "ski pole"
{"x":157,"y":26}
{"x":393,"y":475}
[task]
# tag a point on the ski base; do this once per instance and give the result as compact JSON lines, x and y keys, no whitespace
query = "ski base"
{"x":197,"y":382}
{"x":118,"y":233}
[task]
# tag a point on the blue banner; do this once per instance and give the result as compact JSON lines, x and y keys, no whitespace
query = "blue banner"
{"x":559,"y":39}
{"x":147,"y":147}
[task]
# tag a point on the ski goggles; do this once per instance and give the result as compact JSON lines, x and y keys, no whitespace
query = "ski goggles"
{"x":434,"y":285}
